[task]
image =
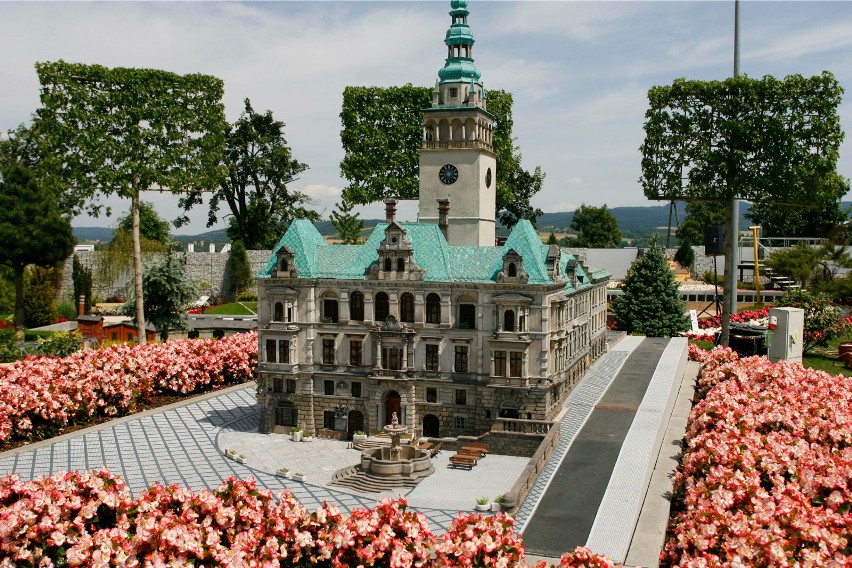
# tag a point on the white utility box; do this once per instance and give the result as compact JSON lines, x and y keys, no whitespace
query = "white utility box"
{"x":787,"y":340}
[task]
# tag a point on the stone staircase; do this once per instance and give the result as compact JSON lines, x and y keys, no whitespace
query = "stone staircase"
{"x":353,"y":478}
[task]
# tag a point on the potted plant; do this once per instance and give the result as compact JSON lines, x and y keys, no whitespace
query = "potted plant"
{"x":483,"y":504}
{"x":308,"y":437}
{"x":240,"y":458}
{"x":296,"y":433}
{"x":299,"y":476}
{"x":497,"y":505}
{"x":284,"y":472}
{"x":229,"y":453}
{"x":359,"y":436}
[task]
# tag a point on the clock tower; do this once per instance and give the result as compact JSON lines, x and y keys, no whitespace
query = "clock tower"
{"x":457,"y":160}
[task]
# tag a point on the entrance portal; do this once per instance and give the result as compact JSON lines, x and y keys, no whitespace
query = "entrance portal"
{"x":431,"y":426}
{"x":393,"y":403}
{"x":355,"y":423}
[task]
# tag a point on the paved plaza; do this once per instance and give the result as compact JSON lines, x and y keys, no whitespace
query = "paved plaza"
{"x":185,"y":443}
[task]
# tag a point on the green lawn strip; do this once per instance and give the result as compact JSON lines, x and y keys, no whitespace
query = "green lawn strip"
{"x":235,"y":309}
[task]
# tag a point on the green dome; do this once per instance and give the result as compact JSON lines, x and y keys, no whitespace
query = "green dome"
{"x":459,"y":35}
{"x":459,"y":70}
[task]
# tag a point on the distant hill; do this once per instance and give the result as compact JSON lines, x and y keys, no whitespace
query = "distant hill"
{"x":631,"y":220}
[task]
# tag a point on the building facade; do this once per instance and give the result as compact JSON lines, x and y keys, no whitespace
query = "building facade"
{"x":429,"y":320}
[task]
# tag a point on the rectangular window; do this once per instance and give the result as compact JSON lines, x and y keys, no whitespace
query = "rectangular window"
{"x":328,"y":419}
{"x":431,"y":394}
{"x":460,"y":423}
{"x":328,"y":352}
{"x":115,"y":336}
{"x":278,"y":385}
{"x":355,"y":357}
{"x":284,"y":352}
{"x":461,"y":359}
{"x":271,"y":351}
{"x":515,"y":364}
{"x":431,"y":357}
{"x":391,"y":358}
{"x":499,"y":363}
{"x":356,"y":389}
{"x":461,"y":397}
{"x":328,"y":387}
{"x":467,"y":316}
{"x":291,"y":386}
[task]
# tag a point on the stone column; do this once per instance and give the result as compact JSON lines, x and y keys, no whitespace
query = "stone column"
{"x":378,"y":352}
{"x":409,"y":349}
{"x":412,"y":407}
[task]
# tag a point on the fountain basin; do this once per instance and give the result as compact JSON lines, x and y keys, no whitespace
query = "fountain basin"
{"x":410,"y":463}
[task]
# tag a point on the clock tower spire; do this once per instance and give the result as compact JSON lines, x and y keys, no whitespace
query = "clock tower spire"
{"x":457,"y":160}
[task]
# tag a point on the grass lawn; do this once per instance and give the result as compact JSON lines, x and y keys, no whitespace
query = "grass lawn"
{"x":815,"y":359}
{"x":235,"y":309}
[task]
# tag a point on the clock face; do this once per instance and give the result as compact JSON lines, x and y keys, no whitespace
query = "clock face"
{"x":448,"y":174}
{"x":488,"y":178}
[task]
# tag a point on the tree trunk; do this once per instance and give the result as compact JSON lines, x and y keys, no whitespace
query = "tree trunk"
{"x":19,"y":297}
{"x":729,"y":298}
{"x":137,"y":267}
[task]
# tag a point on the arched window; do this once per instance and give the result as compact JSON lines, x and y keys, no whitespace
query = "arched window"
{"x":279,"y":312}
{"x":387,"y":265}
{"x":406,"y":308}
{"x":509,"y":320}
{"x":356,"y":306}
{"x":382,"y":306}
{"x":433,"y":308}
{"x":513,"y":270}
{"x":400,"y":264}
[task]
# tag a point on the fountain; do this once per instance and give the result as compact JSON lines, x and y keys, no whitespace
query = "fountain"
{"x":384,"y":468}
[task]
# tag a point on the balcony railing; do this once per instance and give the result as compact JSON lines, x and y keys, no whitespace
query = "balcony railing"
{"x":456,"y":144}
{"x":522,"y":426}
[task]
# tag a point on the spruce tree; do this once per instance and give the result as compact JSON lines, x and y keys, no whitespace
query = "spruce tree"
{"x":81,"y":278}
{"x":239,"y":270}
{"x":348,"y":224}
{"x":651,"y":304}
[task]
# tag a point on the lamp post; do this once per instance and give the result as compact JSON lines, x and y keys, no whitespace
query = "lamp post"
{"x":754,"y":232}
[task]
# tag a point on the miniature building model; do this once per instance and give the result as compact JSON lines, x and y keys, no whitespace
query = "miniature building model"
{"x":428,"y":320}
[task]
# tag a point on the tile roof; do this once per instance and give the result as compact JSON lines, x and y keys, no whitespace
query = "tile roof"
{"x":441,"y":262}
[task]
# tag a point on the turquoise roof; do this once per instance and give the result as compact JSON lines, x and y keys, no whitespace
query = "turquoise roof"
{"x":459,"y":69}
{"x":441,"y":262}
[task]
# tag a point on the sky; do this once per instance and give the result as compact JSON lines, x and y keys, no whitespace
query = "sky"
{"x":579,"y":71}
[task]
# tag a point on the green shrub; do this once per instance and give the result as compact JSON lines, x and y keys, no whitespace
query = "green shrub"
{"x":67,"y":310}
{"x":822,"y":318}
{"x":39,"y":297}
{"x":61,"y":343}
{"x":247,"y":297}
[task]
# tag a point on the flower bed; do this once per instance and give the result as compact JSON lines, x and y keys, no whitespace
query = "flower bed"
{"x":766,"y":479}
{"x":40,"y":395}
{"x":88,"y":519}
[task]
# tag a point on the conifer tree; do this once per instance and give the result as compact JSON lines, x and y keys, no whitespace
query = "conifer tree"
{"x":81,"y":278}
{"x":240,"y":270}
{"x":651,"y":305}
{"x":347,"y":223}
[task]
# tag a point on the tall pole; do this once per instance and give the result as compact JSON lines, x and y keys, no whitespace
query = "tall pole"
{"x":732,"y":220}
{"x":755,"y":244}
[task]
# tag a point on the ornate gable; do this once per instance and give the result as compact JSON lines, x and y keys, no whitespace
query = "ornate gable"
{"x":513,"y":269}
{"x":285,"y":264}
{"x":396,"y":257}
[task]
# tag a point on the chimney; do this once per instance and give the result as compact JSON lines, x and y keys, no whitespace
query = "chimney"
{"x":390,"y":210}
{"x":444,"y":217}
{"x":81,"y":305}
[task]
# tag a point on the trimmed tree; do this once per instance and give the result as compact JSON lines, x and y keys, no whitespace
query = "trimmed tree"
{"x":168,"y":291}
{"x":764,"y":140}
{"x":123,"y":131}
{"x":382,"y":134}
{"x":151,"y":225}
{"x":651,"y":304}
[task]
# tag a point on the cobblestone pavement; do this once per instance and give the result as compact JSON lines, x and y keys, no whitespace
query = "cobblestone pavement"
{"x":184,"y":445}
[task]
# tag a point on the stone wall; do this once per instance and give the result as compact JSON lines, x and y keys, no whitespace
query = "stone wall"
{"x":208,"y":269}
